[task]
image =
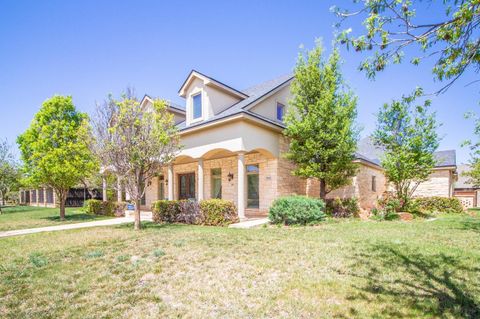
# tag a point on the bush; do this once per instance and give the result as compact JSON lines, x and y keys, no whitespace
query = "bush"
{"x":438,"y":204}
{"x":218,"y":212}
{"x":107,"y":208}
{"x":212,"y":212}
{"x":342,"y":208}
{"x":291,"y":210}
{"x":387,"y":208}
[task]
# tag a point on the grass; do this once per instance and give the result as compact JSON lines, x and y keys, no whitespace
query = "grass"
{"x":21,"y":217}
{"x":348,"y":269}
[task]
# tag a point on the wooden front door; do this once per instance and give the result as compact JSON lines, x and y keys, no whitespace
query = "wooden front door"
{"x":186,"y":186}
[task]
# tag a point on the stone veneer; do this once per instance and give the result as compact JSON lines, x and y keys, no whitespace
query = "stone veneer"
{"x":439,"y":183}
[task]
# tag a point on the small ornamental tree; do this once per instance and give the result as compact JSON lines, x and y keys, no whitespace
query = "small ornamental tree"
{"x":473,"y":173}
{"x":55,"y":148}
{"x":407,"y":133}
{"x":135,"y":140}
{"x":321,"y":123}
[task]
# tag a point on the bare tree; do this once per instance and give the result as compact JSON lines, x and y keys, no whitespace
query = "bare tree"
{"x":134,"y":140}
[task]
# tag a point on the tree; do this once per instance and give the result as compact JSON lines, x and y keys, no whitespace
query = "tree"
{"x":407,"y":133}
{"x":135,"y":140}
{"x":321,"y":124}
{"x":55,"y":148}
{"x":9,"y":173}
{"x":392,"y":26}
{"x":474,"y":172}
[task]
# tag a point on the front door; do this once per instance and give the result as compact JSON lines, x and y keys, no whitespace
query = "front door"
{"x":186,"y":186}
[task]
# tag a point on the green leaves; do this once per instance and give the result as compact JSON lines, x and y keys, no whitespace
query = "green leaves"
{"x":321,"y":121}
{"x":407,"y":133}
{"x":55,"y":148}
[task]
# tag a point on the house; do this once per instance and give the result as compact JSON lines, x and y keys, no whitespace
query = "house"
{"x":465,"y":191}
{"x":46,"y":197}
{"x":233,"y":145}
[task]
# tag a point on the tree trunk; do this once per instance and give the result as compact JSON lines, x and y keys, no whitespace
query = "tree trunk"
{"x":323,"y":189}
{"x":137,"y":225}
{"x":62,"y":207}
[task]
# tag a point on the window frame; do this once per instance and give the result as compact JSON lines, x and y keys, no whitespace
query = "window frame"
{"x":194,"y":119}
{"x":282,"y":107}
{"x":214,"y":177}
{"x":373,"y":185}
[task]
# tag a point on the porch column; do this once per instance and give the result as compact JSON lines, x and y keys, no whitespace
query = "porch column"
{"x":119,"y":189}
{"x":170,"y":182}
{"x":200,"y":179}
{"x":241,"y":185}
{"x":104,"y":189}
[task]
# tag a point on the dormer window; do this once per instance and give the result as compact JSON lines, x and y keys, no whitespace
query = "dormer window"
{"x":197,"y":106}
{"x":280,"y":111}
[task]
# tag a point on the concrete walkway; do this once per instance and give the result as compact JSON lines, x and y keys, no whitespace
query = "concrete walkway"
{"x":98,"y":223}
{"x":249,"y":223}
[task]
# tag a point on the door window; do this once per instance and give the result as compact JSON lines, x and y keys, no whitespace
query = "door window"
{"x":253,"y":181}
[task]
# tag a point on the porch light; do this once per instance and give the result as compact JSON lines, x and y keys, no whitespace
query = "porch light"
{"x":230,"y":177}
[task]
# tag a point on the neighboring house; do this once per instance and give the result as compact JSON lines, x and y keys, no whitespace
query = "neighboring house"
{"x":465,"y":191}
{"x":45,"y":197}
{"x":233,"y":149}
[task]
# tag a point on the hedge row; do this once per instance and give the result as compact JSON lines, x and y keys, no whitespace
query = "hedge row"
{"x":107,"y":208}
{"x":437,"y":204}
{"x":342,"y":208}
{"x":211,"y":212}
{"x":297,"y":210}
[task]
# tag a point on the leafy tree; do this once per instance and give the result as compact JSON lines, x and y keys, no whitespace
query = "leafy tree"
{"x":9,"y":173}
{"x":407,"y":133}
{"x":321,"y":124}
{"x":474,"y":172}
{"x":55,"y":148}
{"x":392,"y":26}
{"x":135,"y":140}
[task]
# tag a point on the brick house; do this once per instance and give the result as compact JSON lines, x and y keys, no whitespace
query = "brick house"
{"x":465,"y":191}
{"x":233,"y":146}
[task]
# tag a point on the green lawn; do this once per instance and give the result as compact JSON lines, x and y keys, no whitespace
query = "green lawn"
{"x":348,"y":269}
{"x":30,"y":217}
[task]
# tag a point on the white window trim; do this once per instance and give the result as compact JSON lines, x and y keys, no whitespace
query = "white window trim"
{"x":198,"y":119}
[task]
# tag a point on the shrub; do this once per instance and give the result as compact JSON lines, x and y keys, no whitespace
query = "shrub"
{"x":212,"y":212}
{"x":107,"y":208}
{"x":438,"y":204}
{"x":291,"y":210}
{"x":342,"y":208}
{"x":165,"y":211}
{"x":218,"y":212}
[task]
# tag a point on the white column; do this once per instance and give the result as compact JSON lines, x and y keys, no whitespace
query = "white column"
{"x":104,"y":189}
{"x":119,"y":189}
{"x":170,"y":182}
{"x":200,"y":179}
{"x":241,"y":185}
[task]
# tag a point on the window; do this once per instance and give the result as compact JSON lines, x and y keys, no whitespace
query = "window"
{"x":374,"y":183}
{"x":197,"y":106}
{"x":253,"y":181}
{"x":41,"y":196}
{"x":49,"y":196}
{"x":186,"y":186}
{"x":280,"y":111}
{"x":216,"y":182}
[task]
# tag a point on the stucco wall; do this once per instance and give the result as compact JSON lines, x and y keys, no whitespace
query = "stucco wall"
{"x":268,"y":107}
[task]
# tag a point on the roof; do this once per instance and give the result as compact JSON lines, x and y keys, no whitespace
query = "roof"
{"x":170,"y":104}
{"x":254,"y":93}
{"x":195,"y":73}
{"x":464,"y":181}
{"x":367,"y":150}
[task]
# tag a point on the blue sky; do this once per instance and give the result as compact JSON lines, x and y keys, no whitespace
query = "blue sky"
{"x":88,"y":49}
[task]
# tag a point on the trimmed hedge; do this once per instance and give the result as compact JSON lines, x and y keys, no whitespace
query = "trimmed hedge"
{"x":291,"y":210}
{"x":210,"y":212}
{"x":107,"y":208}
{"x":342,"y":208}
{"x":438,"y":204}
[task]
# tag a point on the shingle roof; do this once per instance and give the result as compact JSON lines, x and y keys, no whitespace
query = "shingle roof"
{"x":254,"y":93}
{"x":367,"y":150}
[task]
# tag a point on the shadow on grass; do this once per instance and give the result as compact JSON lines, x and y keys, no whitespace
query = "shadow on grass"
{"x":75,"y":217}
{"x":435,"y":285}
{"x":20,"y":209}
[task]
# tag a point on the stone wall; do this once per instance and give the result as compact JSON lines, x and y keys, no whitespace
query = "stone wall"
{"x":439,"y":184}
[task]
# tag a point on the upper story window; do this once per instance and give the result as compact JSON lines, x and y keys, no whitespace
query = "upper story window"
{"x":374,"y":183}
{"x":280,"y":111}
{"x":197,"y":106}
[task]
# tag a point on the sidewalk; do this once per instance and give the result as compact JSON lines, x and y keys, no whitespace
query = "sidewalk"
{"x":107,"y":222}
